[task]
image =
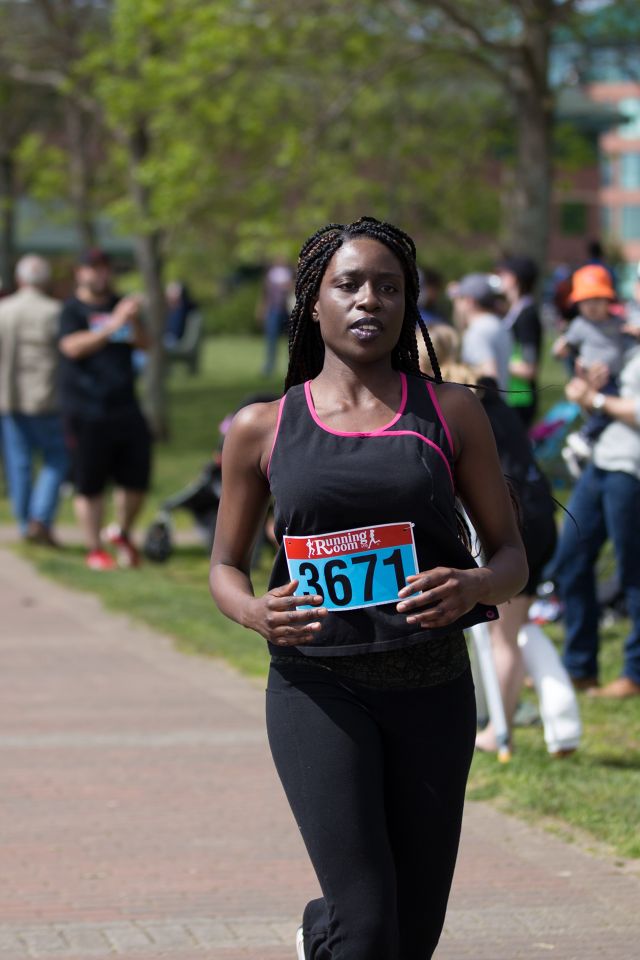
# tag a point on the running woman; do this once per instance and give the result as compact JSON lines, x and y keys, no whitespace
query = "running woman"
{"x":370,"y":703}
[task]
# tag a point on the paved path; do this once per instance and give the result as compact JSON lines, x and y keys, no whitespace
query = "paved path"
{"x":140,"y":817}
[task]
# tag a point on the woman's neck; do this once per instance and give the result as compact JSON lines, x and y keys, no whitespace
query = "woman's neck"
{"x":357,"y":381}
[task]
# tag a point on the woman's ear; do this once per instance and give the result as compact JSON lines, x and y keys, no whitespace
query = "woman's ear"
{"x":314,"y":312}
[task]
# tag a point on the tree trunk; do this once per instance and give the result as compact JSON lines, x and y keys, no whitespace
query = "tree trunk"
{"x":529,"y":197}
{"x":7,"y":220}
{"x":148,"y":246}
{"x":76,"y":123}
{"x":528,"y":208}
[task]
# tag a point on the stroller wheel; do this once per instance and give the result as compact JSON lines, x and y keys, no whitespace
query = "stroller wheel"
{"x":158,"y":545}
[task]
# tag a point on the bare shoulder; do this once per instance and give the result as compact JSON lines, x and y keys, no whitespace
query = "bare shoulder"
{"x":252,"y":431}
{"x":457,"y":400}
{"x":462,"y":411}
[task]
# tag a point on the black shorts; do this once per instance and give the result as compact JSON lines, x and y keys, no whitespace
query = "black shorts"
{"x":539,"y":536}
{"x":115,"y":449}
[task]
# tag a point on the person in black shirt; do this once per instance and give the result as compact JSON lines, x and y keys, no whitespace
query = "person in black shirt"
{"x":519,"y":276}
{"x":538,"y":529}
{"x":108,"y":434}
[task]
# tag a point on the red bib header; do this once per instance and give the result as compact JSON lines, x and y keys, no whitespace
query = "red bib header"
{"x":345,"y":542}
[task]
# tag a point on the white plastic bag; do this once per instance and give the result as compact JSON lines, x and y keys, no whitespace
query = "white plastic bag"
{"x":556,"y":696}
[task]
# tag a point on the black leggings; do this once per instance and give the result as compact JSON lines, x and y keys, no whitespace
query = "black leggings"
{"x":376,"y":782}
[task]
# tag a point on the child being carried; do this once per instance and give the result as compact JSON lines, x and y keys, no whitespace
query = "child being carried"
{"x":595,"y":336}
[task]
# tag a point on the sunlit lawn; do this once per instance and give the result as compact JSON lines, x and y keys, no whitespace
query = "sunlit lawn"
{"x":594,"y":793}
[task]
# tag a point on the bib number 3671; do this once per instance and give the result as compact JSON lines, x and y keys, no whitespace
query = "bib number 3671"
{"x":356,"y":568}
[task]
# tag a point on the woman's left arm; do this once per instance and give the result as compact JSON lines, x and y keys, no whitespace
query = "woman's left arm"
{"x":449,"y":593}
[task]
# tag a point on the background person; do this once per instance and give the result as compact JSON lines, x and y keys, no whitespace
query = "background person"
{"x":538,"y":527}
{"x":29,"y":412}
{"x":518,"y":277}
{"x":595,"y":336}
{"x":446,"y":344}
{"x":603,"y":506}
{"x":370,"y":709}
{"x":430,"y":298}
{"x":273,"y":309}
{"x":537,"y":520}
{"x":109,"y":436}
{"x":486,"y":343}
{"x":179,"y":305}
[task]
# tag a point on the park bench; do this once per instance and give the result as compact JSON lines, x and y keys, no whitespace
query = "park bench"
{"x":187,"y":348}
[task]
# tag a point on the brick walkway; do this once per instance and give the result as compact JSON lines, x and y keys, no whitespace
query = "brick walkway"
{"x":140,"y":817}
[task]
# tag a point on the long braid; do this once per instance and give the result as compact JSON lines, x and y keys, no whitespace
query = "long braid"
{"x":306,"y":349}
{"x":433,"y":359}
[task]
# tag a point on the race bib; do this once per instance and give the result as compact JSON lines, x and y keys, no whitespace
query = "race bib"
{"x":351,"y":569}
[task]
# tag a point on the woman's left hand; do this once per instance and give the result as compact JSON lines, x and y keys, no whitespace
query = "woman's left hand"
{"x":439,"y":596}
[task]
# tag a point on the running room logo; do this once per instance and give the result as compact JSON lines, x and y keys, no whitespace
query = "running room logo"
{"x":345,"y":542}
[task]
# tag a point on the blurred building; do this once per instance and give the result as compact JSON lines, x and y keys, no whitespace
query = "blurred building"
{"x":601,"y":199}
{"x":619,"y":154}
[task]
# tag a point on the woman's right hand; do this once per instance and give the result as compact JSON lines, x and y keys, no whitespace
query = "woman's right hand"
{"x":276,"y":616}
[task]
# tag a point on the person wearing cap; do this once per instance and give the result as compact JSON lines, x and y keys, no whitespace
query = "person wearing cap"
{"x":486,"y":344}
{"x":31,"y":423}
{"x":595,"y":336}
{"x":518,"y":277}
{"x":109,"y":437}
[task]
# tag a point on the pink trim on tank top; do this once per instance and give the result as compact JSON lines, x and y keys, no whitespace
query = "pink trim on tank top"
{"x":275,"y":436}
{"x":356,"y":433}
{"x":383,"y":431}
{"x":445,"y":426}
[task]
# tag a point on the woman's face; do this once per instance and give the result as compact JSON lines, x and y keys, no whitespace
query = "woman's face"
{"x":360,"y":305}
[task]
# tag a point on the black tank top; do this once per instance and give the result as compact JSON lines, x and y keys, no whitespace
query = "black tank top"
{"x":325,"y":481}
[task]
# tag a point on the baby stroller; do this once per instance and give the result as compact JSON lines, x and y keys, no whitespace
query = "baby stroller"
{"x":201,"y":498}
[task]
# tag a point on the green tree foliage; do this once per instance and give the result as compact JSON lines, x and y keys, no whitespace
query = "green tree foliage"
{"x":264,"y":119}
{"x":220,"y":132}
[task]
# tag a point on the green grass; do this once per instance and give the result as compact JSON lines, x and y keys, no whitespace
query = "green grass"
{"x":594,"y":794}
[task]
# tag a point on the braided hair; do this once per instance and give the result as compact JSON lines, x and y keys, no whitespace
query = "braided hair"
{"x":306,"y":348}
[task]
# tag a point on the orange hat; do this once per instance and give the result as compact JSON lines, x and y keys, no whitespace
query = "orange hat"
{"x":591,"y":282}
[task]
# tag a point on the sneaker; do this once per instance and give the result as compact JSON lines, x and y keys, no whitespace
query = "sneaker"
{"x":300,"y":944}
{"x":100,"y":560}
{"x":545,"y":610}
{"x":126,"y":554}
{"x":40,"y":534}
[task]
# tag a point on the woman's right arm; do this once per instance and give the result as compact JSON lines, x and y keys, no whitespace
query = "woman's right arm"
{"x":241,"y":514}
